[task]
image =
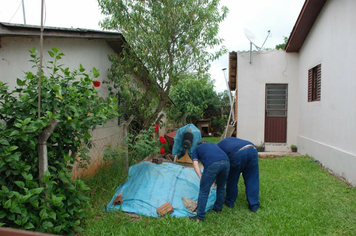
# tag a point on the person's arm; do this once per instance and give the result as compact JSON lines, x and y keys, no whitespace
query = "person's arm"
{"x":197,"y":168}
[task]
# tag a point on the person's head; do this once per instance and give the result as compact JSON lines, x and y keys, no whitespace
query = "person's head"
{"x":200,"y":141}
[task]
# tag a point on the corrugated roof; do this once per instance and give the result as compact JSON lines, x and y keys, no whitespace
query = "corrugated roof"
{"x":115,"y":39}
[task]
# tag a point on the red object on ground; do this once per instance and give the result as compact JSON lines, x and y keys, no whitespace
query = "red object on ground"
{"x":96,"y":83}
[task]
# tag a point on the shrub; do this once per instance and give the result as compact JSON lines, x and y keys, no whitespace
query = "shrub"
{"x":58,"y":206}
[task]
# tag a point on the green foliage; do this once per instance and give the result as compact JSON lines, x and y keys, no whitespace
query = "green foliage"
{"x":137,"y":147}
{"x":58,"y":206}
{"x":136,"y":97}
{"x":103,"y":185}
{"x":213,"y":139}
{"x":196,"y":96}
{"x":219,"y":110}
{"x":191,"y":95}
{"x":282,"y":45}
{"x":166,"y":40}
{"x":144,"y":144}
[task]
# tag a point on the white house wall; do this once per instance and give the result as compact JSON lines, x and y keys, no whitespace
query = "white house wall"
{"x":327,"y":129}
{"x":274,"y":67}
{"x":14,"y":61}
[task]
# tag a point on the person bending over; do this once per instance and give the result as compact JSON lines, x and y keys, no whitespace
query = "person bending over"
{"x":216,"y":167}
{"x":243,"y":159}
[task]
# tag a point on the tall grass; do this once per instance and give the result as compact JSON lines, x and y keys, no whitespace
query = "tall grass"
{"x":298,"y":197}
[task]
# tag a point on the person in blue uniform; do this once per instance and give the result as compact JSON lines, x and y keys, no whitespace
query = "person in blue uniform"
{"x":216,"y":168}
{"x":243,"y":159}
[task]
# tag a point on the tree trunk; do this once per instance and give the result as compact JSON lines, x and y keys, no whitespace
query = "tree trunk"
{"x":42,"y":148}
{"x":125,"y":127}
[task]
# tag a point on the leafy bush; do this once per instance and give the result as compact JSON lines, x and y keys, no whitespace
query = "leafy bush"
{"x":58,"y":205}
{"x":142,"y":145}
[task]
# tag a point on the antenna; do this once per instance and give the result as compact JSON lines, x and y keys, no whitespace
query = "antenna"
{"x":251,"y":37}
{"x":230,"y":98}
{"x":23,"y":11}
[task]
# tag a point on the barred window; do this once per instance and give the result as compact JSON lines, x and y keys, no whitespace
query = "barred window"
{"x":314,"y":84}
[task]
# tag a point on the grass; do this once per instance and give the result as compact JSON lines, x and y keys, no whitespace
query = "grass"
{"x":298,"y":197}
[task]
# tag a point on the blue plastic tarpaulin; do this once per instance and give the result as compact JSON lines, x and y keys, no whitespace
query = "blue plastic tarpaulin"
{"x":178,"y":149}
{"x":151,"y":185}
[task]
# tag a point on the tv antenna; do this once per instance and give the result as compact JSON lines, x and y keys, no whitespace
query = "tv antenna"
{"x":23,"y":12}
{"x":251,"y":37}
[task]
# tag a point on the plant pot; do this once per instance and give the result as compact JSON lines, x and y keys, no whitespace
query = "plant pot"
{"x":294,"y":149}
{"x":260,"y":149}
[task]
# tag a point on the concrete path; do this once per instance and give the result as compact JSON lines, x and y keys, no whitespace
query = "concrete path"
{"x":277,"y":154}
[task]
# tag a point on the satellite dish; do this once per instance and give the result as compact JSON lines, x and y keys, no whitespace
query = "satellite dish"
{"x":251,"y":37}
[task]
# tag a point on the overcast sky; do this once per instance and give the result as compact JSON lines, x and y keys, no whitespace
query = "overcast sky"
{"x":258,"y":16}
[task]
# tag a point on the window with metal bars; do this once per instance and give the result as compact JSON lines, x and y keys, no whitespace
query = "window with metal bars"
{"x":314,"y":83}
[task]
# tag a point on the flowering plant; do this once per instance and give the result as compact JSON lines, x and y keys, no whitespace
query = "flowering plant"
{"x":156,"y":128}
{"x":162,"y":140}
{"x":148,"y":143}
{"x":96,"y":83}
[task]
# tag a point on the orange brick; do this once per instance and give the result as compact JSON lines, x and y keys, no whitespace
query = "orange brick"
{"x":118,"y":200}
{"x":165,"y":209}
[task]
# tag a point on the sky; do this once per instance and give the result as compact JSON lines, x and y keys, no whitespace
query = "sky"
{"x":257,"y":16}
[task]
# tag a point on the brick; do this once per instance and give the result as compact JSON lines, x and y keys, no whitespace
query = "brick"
{"x":118,"y":200}
{"x":165,"y":209}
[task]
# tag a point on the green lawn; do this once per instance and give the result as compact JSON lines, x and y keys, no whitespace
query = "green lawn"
{"x":297,"y":197}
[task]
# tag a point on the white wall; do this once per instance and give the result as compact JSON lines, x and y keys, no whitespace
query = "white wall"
{"x":14,"y":61}
{"x":327,"y":129}
{"x":274,"y":66}
{"x":15,"y":56}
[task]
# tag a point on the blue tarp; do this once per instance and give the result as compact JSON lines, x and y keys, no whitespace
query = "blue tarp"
{"x":178,"y":149}
{"x":151,"y":185}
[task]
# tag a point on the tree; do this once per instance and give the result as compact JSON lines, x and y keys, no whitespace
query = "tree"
{"x":165,"y":40}
{"x":191,"y":95}
{"x":194,"y":97}
{"x":282,"y":45}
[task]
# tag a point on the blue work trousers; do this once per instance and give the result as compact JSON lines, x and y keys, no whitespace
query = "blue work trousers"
{"x":218,"y":170}
{"x":245,"y":162}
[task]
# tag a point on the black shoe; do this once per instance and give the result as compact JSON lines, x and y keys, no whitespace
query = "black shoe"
{"x":217,"y":211}
{"x":229,"y":206}
{"x":254,"y":210}
{"x":195,"y":218}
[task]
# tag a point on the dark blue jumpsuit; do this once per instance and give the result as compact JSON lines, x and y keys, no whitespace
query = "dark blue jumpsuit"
{"x":243,"y":159}
{"x":216,"y":167}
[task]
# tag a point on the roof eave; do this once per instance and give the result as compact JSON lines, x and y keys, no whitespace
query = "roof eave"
{"x":304,"y":23}
{"x":114,"y":39}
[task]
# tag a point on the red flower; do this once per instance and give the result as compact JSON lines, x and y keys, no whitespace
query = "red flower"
{"x":162,"y":150}
{"x":162,"y":140}
{"x":96,"y":83}
{"x":156,"y":128}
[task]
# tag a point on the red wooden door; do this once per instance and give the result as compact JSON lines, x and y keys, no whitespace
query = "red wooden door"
{"x":276,"y":113}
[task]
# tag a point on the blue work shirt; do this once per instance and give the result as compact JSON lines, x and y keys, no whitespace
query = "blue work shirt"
{"x":231,"y":145}
{"x":208,"y":153}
